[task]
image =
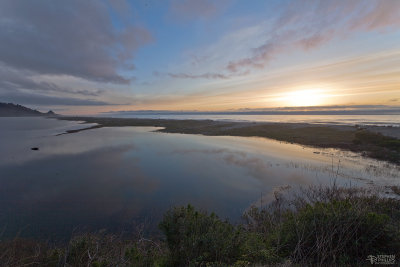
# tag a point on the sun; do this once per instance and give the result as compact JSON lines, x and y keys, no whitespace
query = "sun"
{"x":305,"y":98}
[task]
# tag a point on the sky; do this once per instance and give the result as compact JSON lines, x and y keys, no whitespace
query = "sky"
{"x":93,"y":56}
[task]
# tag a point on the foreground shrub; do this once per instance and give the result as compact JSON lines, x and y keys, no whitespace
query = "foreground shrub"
{"x":337,"y":232}
{"x":194,"y":237}
{"x":109,"y":250}
{"x":22,"y":252}
{"x":330,"y":226}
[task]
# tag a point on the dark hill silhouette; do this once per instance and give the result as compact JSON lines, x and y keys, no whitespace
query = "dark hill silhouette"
{"x":14,"y":110}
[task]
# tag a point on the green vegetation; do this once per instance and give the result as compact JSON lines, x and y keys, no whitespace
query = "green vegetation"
{"x":317,"y":226}
{"x":378,"y":146}
{"x":195,"y":238}
{"x":371,"y":144}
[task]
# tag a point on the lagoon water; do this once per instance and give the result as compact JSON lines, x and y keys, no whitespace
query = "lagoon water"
{"x":115,"y":178}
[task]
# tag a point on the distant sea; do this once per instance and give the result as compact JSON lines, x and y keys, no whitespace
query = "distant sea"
{"x":378,"y":120}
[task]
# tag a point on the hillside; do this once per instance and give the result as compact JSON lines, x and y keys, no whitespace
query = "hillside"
{"x":13,"y":110}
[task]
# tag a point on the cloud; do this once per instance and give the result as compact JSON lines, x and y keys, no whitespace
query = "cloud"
{"x":309,"y":24}
{"x":44,"y":100}
{"x":261,"y":55}
{"x":17,"y":81}
{"x":75,"y":38}
{"x":207,"y":75}
{"x":383,"y":14}
{"x":198,"y":76}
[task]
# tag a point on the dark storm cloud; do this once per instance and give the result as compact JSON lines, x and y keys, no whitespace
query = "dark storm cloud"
{"x":74,"y":38}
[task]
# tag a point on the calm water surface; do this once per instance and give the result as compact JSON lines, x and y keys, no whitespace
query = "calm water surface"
{"x":112,"y":178}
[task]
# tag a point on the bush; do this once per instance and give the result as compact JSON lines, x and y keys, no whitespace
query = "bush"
{"x":336,"y":232}
{"x":196,"y":238}
{"x":330,"y":226}
{"x":23,"y":252}
{"x":108,"y":250}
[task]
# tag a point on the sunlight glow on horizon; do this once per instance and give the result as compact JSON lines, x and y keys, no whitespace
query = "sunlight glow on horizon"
{"x":305,"y":98}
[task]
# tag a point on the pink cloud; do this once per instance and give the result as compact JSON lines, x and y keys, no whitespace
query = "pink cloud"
{"x":307,"y":25}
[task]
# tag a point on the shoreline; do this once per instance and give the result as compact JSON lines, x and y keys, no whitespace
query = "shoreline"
{"x":378,"y":142}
